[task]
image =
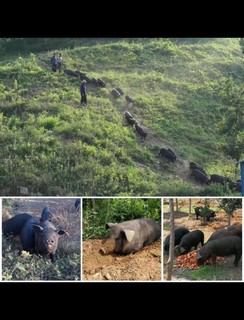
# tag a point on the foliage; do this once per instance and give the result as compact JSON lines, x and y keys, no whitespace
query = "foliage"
{"x":233,"y":119}
{"x":98,"y":212}
{"x":33,"y":267}
{"x":229,"y":205}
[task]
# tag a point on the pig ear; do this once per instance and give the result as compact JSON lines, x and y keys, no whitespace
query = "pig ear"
{"x":109,"y":225}
{"x":129,"y":234}
{"x":37,"y":228}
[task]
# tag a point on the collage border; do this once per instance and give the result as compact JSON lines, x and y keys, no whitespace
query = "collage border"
{"x":81,"y":247}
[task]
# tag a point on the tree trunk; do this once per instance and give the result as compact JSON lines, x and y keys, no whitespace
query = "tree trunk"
{"x":169,"y":264}
{"x":189,"y":206}
{"x":177,"y":205}
{"x":229,"y":217}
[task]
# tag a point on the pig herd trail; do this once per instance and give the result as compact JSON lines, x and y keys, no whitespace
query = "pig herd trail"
{"x":182,"y":219}
{"x":100,"y":263}
{"x":180,"y":168}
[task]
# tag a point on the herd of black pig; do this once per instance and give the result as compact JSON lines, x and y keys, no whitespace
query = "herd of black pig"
{"x":223,"y":242}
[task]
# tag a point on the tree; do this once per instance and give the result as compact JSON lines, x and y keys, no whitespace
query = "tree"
{"x":190,"y":207}
{"x":177,"y":205}
{"x":229,"y":206}
{"x":169,"y":264}
{"x":233,"y":119}
{"x":205,"y":210}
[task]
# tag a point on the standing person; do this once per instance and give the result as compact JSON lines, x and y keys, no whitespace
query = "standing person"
{"x":54,"y":62}
{"x":83,"y":92}
{"x":60,"y":61}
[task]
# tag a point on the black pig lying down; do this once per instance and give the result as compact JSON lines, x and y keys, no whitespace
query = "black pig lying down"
{"x":14,"y":225}
{"x":37,"y":235}
{"x":220,"y":247}
{"x":132,"y":235}
{"x":46,"y":239}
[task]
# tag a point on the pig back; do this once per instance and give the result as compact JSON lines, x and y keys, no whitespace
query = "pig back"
{"x":14,"y":225}
{"x":27,"y":235}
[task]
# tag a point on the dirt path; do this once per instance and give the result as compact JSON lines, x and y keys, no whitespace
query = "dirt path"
{"x":182,"y":219}
{"x":100,"y":263}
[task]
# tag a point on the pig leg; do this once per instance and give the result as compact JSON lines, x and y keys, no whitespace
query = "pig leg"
{"x":52,"y":257}
{"x":237,"y":258}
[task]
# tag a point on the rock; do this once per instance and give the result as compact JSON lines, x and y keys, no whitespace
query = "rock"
{"x":107,"y":276}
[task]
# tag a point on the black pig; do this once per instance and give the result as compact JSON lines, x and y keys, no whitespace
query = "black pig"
{"x":220,"y":247}
{"x":189,"y":240}
{"x":46,"y":239}
{"x":199,"y":212}
{"x":179,"y":233}
{"x":132,"y":235}
{"x":225,"y":232}
{"x":27,"y":235}
{"x":14,"y":225}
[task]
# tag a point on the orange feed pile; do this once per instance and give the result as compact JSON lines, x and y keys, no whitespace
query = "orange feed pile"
{"x":189,"y":261}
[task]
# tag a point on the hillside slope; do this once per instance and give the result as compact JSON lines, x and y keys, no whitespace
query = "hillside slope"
{"x":53,"y":146}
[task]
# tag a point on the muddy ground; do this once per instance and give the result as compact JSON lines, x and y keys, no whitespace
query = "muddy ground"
{"x":182,"y":219}
{"x":100,"y":263}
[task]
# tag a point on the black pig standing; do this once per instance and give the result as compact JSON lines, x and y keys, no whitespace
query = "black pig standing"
{"x":220,"y":247}
{"x":189,"y":240}
{"x":179,"y":233}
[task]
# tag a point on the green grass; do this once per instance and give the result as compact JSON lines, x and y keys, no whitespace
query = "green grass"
{"x":207,"y":273}
{"x":54,"y":147}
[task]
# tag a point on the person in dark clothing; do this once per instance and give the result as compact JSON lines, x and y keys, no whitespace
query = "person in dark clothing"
{"x":54,"y":62}
{"x":60,"y":61}
{"x":83,"y":92}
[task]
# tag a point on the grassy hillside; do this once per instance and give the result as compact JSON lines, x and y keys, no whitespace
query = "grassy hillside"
{"x":53,"y":146}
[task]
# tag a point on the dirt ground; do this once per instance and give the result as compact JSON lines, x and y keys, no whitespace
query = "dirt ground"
{"x":100,"y":263}
{"x":182,"y":219}
{"x":35,"y":205}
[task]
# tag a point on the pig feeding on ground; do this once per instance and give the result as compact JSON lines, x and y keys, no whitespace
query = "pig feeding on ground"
{"x":189,"y":240}
{"x":179,"y":233}
{"x":220,"y":247}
